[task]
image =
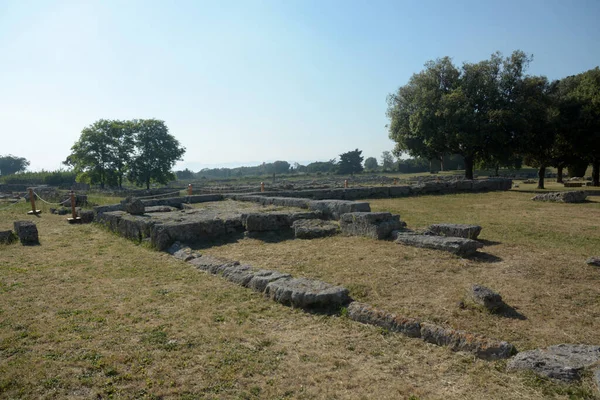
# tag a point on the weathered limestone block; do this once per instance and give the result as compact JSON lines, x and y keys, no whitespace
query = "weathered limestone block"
{"x":182,"y":252}
{"x":262,"y":222}
{"x":367,"y":314}
{"x":376,"y":225}
{"x":578,"y":196}
{"x":262,"y":278}
{"x":163,"y":235}
{"x":562,"y":362}
{"x":486,"y":297}
{"x":307,"y":293}
{"x":135,"y":207}
{"x":109,"y":208}
{"x":459,"y":246}
{"x":212,"y":264}
{"x":240,"y":274}
{"x":314,"y":228}
{"x":333,"y":209}
{"x":157,"y":209}
{"x":86,"y":216}
{"x":480,"y":346}
{"x":456,"y":230}
{"x":400,"y":191}
{"x":7,"y":237}
{"x":594,"y":261}
{"x":27,"y":232}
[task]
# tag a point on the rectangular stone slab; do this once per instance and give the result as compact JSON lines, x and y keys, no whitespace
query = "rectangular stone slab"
{"x":456,"y":230}
{"x":459,"y":246}
{"x":307,"y":293}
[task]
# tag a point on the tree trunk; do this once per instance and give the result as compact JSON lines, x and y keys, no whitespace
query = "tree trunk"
{"x":559,"y":174}
{"x":442,"y":163}
{"x":120,"y":182}
{"x":497,"y":170}
{"x":148,"y":184}
{"x":541,"y":176}
{"x":596,"y":172}
{"x":469,"y":167}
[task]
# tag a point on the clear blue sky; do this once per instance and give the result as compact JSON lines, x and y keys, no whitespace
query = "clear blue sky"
{"x":239,"y":82}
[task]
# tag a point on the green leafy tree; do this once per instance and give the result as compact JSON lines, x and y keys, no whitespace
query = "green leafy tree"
{"x":10,"y":164}
{"x":587,"y":94}
{"x":321,"y":166}
{"x":470,"y":112}
{"x":371,"y":164}
{"x":155,"y":155}
{"x":539,"y":115}
{"x":350,"y":162}
{"x":102,"y":153}
{"x":186,"y":174}
{"x":387,"y":161}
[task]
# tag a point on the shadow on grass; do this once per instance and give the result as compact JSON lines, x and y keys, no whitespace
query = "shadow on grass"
{"x":483,"y":257}
{"x":507,"y":311}
{"x":488,"y":242}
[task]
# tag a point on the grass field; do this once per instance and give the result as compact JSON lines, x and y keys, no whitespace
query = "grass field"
{"x":90,"y":315}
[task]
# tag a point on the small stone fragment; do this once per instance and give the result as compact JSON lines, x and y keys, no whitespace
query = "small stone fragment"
{"x":456,"y":230}
{"x":27,"y":232}
{"x":486,"y":297}
{"x":594,"y":261}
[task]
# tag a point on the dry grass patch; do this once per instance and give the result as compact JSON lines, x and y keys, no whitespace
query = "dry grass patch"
{"x":88,"y":314}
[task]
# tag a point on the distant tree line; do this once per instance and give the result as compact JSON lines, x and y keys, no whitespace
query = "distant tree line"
{"x":494,"y":115}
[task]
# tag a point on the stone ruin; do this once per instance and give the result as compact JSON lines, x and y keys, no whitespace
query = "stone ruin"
{"x":576,"y":196}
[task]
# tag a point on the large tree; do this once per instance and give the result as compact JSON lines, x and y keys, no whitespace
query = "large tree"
{"x":350,"y":162}
{"x":537,"y":127}
{"x":371,"y":164}
{"x":387,"y":161}
{"x":102,"y":153}
{"x":588,"y":95}
{"x":155,"y":155}
{"x":470,"y":112}
{"x":10,"y":164}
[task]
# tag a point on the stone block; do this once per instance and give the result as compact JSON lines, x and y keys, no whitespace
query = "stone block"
{"x":307,"y":293}
{"x":7,"y":237}
{"x":400,"y":191}
{"x":480,"y":346}
{"x":459,"y":246}
{"x":333,"y":209}
{"x":562,"y":362}
{"x":261,"y":278}
{"x":486,"y":297}
{"x":456,"y":230}
{"x":376,"y":225}
{"x":86,"y":216}
{"x":135,"y":207}
{"x":367,"y":314}
{"x":577,"y":196}
{"x":27,"y":232}
{"x":314,"y":228}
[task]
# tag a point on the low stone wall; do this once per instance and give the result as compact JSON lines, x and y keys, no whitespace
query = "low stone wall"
{"x":356,"y":193}
{"x":177,"y":201}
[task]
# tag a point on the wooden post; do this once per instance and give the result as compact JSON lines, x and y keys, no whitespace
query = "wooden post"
{"x":345,"y":183}
{"x":74,"y":217}
{"x":395,"y":181}
{"x":262,"y":186}
{"x":32,"y":201}
{"x":189,"y":189}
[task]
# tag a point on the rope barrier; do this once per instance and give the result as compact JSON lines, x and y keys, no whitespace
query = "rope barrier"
{"x":158,"y":195}
{"x":52,"y":204}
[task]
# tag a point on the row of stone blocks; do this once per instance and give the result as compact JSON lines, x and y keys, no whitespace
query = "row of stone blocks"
{"x":434,"y":187}
{"x":317,"y":295}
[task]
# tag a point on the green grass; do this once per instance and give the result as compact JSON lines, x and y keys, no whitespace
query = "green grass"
{"x":89,"y":314}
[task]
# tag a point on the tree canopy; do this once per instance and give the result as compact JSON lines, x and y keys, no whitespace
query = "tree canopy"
{"x":10,"y":164}
{"x":156,"y":152}
{"x":350,"y":162}
{"x":109,"y":150}
{"x":371,"y":164}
